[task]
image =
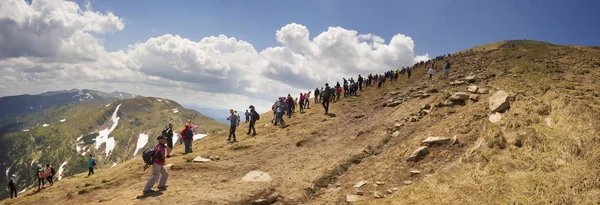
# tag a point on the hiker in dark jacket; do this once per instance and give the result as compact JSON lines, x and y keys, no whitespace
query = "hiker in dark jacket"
{"x":233,"y":119}
{"x":168,"y":133}
{"x":158,"y":169}
{"x":187,"y":137}
{"x":326,"y":97}
{"x":247,"y":116}
{"x":91,"y":165}
{"x":360,"y":82}
{"x":290,"y":105}
{"x":40,"y":175}
{"x":49,"y":174}
{"x":253,"y":117}
{"x":317,"y":94}
{"x":12,"y":184}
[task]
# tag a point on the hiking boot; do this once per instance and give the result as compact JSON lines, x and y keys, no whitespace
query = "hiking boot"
{"x":164,"y":188}
{"x":253,"y":134}
{"x":149,"y":191}
{"x":168,"y":156}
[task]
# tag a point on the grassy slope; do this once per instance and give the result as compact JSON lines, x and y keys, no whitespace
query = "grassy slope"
{"x":317,"y":159}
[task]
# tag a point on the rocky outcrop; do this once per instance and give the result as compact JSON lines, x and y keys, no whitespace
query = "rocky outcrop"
{"x":496,"y":117}
{"x":436,"y":141}
{"x":472,"y":88}
{"x":499,"y":102}
{"x":459,"y":96}
{"x":418,"y":154}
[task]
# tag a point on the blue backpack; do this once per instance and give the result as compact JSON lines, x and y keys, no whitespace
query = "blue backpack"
{"x":189,"y":134}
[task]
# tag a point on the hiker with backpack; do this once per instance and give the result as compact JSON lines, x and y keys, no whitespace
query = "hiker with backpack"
{"x":290,"y":105}
{"x":49,"y":174}
{"x":168,"y":133}
{"x":12,"y":185}
{"x":301,"y":102}
{"x":430,"y":74}
{"x":187,"y":136}
{"x":317,"y":95}
{"x":446,"y":69}
{"x":247,"y":116}
{"x":91,"y":165}
{"x":233,"y":119}
{"x":156,"y":157}
{"x":254,"y":116}
{"x":307,"y":98}
{"x":326,"y":96}
{"x":40,"y":176}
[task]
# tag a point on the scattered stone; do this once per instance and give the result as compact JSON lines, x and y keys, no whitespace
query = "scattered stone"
{"x":394,"y":104}
{"x":217,"y":158}
{"x":415,"y":172}
{"x":272,"y":198}
{"x":470,"y":79}
{"x":549,"y":122}
{"x":396,"y":134}
{"x":474,"y":97}
{"x":389,"y":191}
{"x":211,"y":158}
{"x":496,"y":117}
{"x":359,"y":192}
{"x":200,"y":159}
{"x":353,"y":198}
{"x":472,"y":88}
{"x":418,"y":154}
{"x":432,"y":141}
{"x":360,"y":184}
{"x":425,"y":107}
{"x":257,"y":176}
{"x":499,"y":101}
{"x":360,"y":133}
{"x":448,"y":103}
{"x":457,"y":83}
{"x":377,"y":195}
{"x":260,"y":202}
{"x":397,"y":126}
{"x":359,"y":116}
{"x":168,"y":166}
{"x":482,"y":91}
{"x":424,"y":95}
{"x":407,"y":182}
{"x":459,"y":96}
{"x":379,"y":183}
{"x":394,"y":93}
{"x":414,"y":119}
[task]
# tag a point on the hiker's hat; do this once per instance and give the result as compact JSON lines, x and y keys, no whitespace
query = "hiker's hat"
{"x":14,"y":175}
{"x":161,"y":137}
{"x":251,"y":106}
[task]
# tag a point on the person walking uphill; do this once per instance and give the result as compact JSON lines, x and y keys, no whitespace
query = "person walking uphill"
{"x":40,"y":175}
{"x":326,"y":97}
{"x":317,"y":94}
{"x":187,"y":136}
{"x":233,"y":119}
{"x":50,"y":174}
{"x":247,"y":116}
{"x":290,"y":105}
{"x":254,"y":116}
{"x":91,"y":165}
{"x":158,"y":169}
{"x":168,"y":133}
{"x":12,"y":184}
{"x":301,"y":102}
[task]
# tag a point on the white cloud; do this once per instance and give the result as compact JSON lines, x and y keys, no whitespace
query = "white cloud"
{"x":217,"y":71}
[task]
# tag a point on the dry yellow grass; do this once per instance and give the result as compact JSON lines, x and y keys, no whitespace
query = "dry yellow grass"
{"x":317,"y":159}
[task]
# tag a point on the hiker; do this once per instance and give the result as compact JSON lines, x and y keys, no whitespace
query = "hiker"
{"x":290,"y":105}
{"x":49,"y":174}
{"x":168,"y":133}
{"x":307,"y":98}
{"x":430,"y":74}
{"x":295,"y":105}
{"x":238,"y":118}
{"x":447,"y":69}
{"x":192,"y":126}
{"x":40,"y":175}
{"x":12,"y":184}
{"x":233,"y":119}
{"x":158,"y":167}
{"x":339,"y":93}
{"x":360,"y":82}
{"x":247,"y":116}
{"x":326,"y":95}
{"x":301,"y":101}
{"x":316,"y":94}
{"x":91,"y":165}
{"x":280,"y":110}
{"x":254,"y":116}
{"x":408,"y":72}
{"x":187,"y":137}
{"x":345,"y":87}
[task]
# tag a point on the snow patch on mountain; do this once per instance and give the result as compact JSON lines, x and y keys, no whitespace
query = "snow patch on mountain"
{"x":158,"y":99}
{"x":114,"y":164}
{"x":61,"y":169}
{"x":63,"y":120}
{"x":175,"y":110}
{"x":103,"y":134}
{"x":45,"y":125}
{"x":199,"y":136}
{"x":107,"y":105}
{"x":26,"y":130}
{"x":142,"y":141}
{"x":22,"y":191}
{"x":7,"y":171}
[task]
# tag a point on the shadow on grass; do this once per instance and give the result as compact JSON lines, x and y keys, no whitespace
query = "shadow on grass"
{"x":331,"y":115}
{"x":151,"y":194}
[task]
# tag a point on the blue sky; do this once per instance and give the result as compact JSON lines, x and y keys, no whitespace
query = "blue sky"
{"x":436,"y":26}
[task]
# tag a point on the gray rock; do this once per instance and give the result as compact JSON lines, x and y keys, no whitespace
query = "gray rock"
{"x":272,"y":198}
{"x":397,"y":126}
{"x":457,"y":83}
{"x":407,"y":182}
{"x":359,"y":192}
{"x":360,"y":184}
{"x":482,"y":91}
{"x":425,"y":107}
{"x":499,"y":102}
{"x":474,"y":97}
{"x":433,"y":141}
{"x":260,"y":202}
{"x":415,"y":172}
{"x":394,"y":104}
{"x":200,"y":159}
{"x":396,"y":134}
{"x":470,"y":79}
{"x":459,"y":96}
{"x":353,"y":198}
{"x":377,"y":195}
{"x":257,"y":176}
{"x":358,"y":116}
{"x":418,"y":154}
{"x":496,"y":117}
{"x":472,"y":88}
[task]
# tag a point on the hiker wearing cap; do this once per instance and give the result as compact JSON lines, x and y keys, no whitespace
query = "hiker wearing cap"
{"x":326,"y":96}
{"x":158,"y":169}
{"x":233,"y":119}
{"x":12,"y":184}
{"x":187,"y":136}
{"x":40,"y":175}
{"x":91,"y":165}
{"x":49,"y":174}
{"x":254,"y":116}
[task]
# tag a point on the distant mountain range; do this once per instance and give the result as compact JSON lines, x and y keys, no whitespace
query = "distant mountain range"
{"x":217,"y":114}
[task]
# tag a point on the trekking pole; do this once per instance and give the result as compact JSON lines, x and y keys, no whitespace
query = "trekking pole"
{"x":145,"y":167}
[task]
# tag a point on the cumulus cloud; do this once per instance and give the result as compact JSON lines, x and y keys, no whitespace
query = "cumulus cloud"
{"x":51,"y":44}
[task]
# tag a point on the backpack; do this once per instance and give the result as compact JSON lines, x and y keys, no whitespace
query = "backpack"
{"x":40,"y":173}
{"x":165,"y":132}
{"x":148,"y":156}
{"x":189,"y":134}
{"x":256,"y":116}
{"x":93,"y":162}
{"x":52,"y":171}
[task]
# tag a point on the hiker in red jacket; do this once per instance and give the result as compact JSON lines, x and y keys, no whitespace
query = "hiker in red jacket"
{"x":187,"y":136}
{"x":158,"y":167}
